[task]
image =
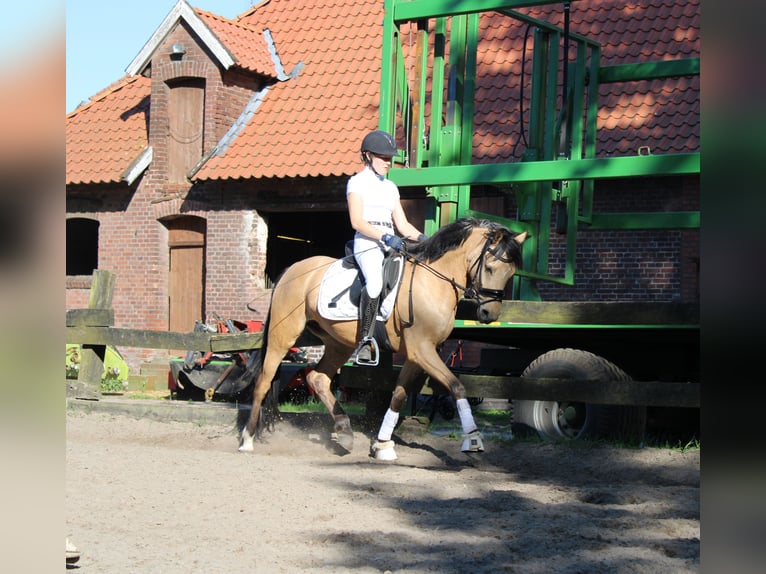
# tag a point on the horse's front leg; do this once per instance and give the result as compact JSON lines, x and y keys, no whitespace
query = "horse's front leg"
{"x":320,"y":381}
{"x":433,"y":365}
{"x":383,"y":447}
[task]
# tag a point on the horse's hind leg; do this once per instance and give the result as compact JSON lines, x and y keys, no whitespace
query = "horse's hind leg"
{"x":279,"y":340}
{"x":320,"y":380}
{"x":261,"y":388}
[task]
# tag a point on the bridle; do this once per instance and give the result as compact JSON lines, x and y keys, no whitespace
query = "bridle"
{"x":474,"y":289}
{"x":476,"y":293}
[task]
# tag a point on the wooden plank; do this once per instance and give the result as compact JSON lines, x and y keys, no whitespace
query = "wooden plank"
{"x":598,"y":313}
{"x":101,"y":290}
{"x":649,"y":393}
{"x":89,"y":317}
{"x":221,"y":343}
{"x":92,"y":354}
{"x":216,"y":342}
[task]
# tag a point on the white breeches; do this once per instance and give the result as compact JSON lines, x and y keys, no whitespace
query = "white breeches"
{"x":369,"y":257}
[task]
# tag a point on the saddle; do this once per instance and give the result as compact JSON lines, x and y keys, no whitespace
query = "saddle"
{"x":392,"y":263}
{"x":341,"y":287}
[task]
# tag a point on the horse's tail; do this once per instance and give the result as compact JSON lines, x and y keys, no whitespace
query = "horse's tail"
{"x":270,"y":406}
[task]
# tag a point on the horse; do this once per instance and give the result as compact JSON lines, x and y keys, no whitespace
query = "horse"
{"x":471,"y":258}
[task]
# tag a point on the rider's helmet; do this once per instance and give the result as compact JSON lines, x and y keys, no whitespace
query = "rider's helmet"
{"x":379,"y":143}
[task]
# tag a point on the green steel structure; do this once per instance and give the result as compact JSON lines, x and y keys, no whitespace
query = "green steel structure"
{"x":561,"y":350}
{"x":559,"y":165}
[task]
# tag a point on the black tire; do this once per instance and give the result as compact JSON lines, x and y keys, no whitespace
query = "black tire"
{"x":576,"y":420}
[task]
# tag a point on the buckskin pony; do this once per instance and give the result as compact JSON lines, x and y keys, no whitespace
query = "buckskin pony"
{"x":469,"y":258}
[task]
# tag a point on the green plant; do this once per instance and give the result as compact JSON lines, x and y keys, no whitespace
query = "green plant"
{"x":72,"y":363}
{"x":110,"y":382}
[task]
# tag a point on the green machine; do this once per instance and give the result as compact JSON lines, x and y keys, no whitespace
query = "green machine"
{"x":566,"y":353}
{"x":430,"y":48}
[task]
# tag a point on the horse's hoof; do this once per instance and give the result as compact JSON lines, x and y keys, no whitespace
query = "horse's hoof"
{"x":246,"y":443}
{"x":384,"y":450}
{"x":472,"y":442}
{"x":344,"y":440}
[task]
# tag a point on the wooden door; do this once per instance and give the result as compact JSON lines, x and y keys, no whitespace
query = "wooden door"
{"x":186,"y":290}
{"x":186,"y":117}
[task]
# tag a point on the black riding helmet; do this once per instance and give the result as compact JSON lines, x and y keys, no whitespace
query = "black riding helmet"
{"x":379,"y":143}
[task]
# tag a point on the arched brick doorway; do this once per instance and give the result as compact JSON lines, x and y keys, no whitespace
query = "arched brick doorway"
{"x":186,"y":277}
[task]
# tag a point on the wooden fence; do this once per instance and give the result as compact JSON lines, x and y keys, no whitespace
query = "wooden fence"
{"x":93,"y":329}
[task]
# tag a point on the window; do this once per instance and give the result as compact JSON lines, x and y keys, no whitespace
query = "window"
{"x":81,"y":246}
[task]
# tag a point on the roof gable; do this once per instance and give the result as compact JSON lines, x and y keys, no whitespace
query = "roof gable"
{"x":181,"y":11}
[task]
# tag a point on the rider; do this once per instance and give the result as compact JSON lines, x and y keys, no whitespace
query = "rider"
{"x":375,"y":210}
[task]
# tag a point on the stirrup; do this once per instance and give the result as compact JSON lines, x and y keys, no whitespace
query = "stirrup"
{"x":374,"y":353}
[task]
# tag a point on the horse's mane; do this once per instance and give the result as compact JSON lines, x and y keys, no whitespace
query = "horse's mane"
{"x":452,"y":236}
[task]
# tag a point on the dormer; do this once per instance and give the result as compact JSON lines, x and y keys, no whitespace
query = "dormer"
{"x":200,"y":85}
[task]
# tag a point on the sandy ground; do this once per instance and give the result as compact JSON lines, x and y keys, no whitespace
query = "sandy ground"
{"x":174,"y":498}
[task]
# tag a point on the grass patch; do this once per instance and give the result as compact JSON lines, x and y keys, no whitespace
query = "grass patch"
{"x":144,"y":394}
{"x":314,"y":406}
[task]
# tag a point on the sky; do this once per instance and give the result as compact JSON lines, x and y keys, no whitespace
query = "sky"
{"x":103,"y":37}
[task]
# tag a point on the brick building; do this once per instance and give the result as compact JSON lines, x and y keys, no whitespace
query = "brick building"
{"x":223,"y":154}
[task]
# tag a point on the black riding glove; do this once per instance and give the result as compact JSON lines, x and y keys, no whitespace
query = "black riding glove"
{"x":393,"y":241}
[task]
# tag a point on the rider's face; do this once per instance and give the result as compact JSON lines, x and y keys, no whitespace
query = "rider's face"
{"x":380,"y":163}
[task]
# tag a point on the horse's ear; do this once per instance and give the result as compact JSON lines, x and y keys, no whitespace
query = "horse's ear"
{"x":520,"y":237}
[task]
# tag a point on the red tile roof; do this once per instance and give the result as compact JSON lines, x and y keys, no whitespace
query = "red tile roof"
{"x":312,"y":125}
{"x":106,"y":135}
{"x":662,"y":114}
{"x":246,"y":44}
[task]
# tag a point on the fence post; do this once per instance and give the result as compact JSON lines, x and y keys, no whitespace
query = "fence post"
{"x":92,"y":356}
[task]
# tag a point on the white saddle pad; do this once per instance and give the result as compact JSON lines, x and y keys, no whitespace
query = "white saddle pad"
{"x":338,"y":278}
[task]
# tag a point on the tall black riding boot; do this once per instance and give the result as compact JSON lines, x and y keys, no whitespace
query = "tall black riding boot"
{"x":367,"y":352}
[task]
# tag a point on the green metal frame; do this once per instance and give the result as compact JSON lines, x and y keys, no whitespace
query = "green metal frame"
{"x":559,"y":167}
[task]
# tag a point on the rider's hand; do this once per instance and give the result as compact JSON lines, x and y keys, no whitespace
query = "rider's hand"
{"x":393,"y":241}
{"x":422,"y":237}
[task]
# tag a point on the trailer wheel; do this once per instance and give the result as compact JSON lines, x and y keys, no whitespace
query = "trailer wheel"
{"x":577,"y":420}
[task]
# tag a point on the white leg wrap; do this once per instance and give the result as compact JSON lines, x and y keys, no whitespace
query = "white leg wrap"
{"x":466,"y":416}
{"x":387,"y":426}
{"x":246,"y":445}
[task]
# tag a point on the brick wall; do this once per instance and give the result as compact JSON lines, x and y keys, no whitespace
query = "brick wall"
{"x":632,"y":265}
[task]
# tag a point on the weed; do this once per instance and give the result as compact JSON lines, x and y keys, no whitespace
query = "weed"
{"x":111,"y":382}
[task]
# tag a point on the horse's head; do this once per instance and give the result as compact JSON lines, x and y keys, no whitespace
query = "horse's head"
{"x":498,"y":259}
